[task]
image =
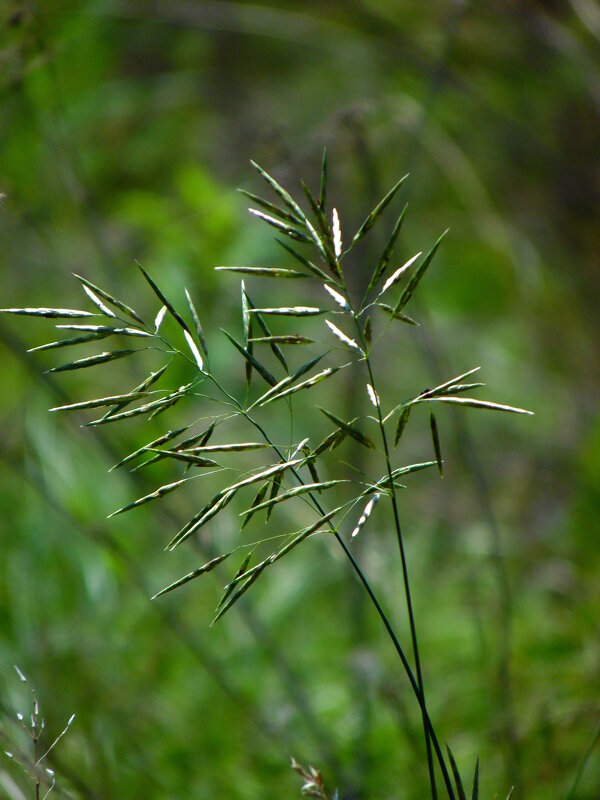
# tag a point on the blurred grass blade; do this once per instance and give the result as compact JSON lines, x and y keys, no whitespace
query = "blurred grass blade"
{"x":473,"y":403}
{"x":192,"y":575}
{"x":323,"y":186}
{"x":247,"y":328}
{"x":197,"y":325}
{"x":97,"y":302}
{"x":286,"y":381}
{"x":194,"y":349}
{"x":384,"y":483}
{"x":300,"y":537}
{"x":448,"y":384}
{"x":182,"y":455}
{"x":231,"y":585}
{"x":107,"y":330}
{"x":192,"y":440}
{"x":101,"y":401}
{"x":292,"y":311}
{"x":92,"y":361}
{"x":235,"y":596}
{"x":281,"y":226}
{"x":158,"y":319}
{"x":147,"y":408}
{"x":155,"y":495}
{"x":436,"y":444}
{"x":290,"y":493}
{"x":348,"y":428}
{"x":263,"y":371}
{"x":286,"y":338}
{"x":329,"y":441}
{"x":143,"y":386}
{"x":166,"y":437}
{"x":396,"y":314}
{"x":265,"y":329}
{"x":210,"y":510}
{"x":387,"y":252}
{"x":307,"y":384}
{"x":227,"y":448}
{"x":368,"y":331}
{"x":276,"y":211}
{"x":397,"y":274}
{"x":379,"y":208}
{"x":457,"y":779}
{"x":308,"y":264}
{"x":112,"y":300}
{"x":416,"y":276}
{"x":176,"y":316}
{"x":265,"y":272}
{"x":339,"y":298}
{"x":475,"y":794}
{"x":88,"y":337}
{"x":50,"y":313}
{"x":259,"y":497}
{"x":366,"y":514}
{"x":275,"y":488}
{"x":342,"y":337}
{"x":401,"y":424}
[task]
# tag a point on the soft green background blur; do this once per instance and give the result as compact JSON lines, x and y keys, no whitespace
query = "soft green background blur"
{"x":124,"y":129}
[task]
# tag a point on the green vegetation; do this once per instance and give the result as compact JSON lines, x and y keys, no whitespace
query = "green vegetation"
{"x":121,"y":130}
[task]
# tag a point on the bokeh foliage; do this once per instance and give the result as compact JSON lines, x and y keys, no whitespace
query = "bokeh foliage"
{"x":124,"y":128}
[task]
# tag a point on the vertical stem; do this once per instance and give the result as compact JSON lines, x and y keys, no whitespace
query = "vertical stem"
{"x":409,"y":605}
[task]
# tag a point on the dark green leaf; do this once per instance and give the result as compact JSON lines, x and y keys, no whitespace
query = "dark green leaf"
{"x":348,"y":428}
{"x":308,"y":264}
{"x":323,"y":187}
{"x":253,"y":361}
{"x":387,"y":252}
{"x":367,"y":331}
{"x":210,"y":510}
{"x":436,"y":444}
{"x":457,"y":779}
{"x":379,"y":208}
{"x":177,"y":317}
{"x":401,"y":425}
{"x":416,"y":277}
{"x":475,"y":793}
{"x":263,"y":325}
{"x":260,"y":496}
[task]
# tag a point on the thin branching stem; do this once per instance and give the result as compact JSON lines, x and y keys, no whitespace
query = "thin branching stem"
{"x":429,"y":730}
{"x":405,"y":578}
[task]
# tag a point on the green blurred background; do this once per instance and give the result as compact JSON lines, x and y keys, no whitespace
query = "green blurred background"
{"x":124,"y":129}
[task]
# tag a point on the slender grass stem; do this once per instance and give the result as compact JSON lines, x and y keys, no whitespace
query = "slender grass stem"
{"x":409,"y":605}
